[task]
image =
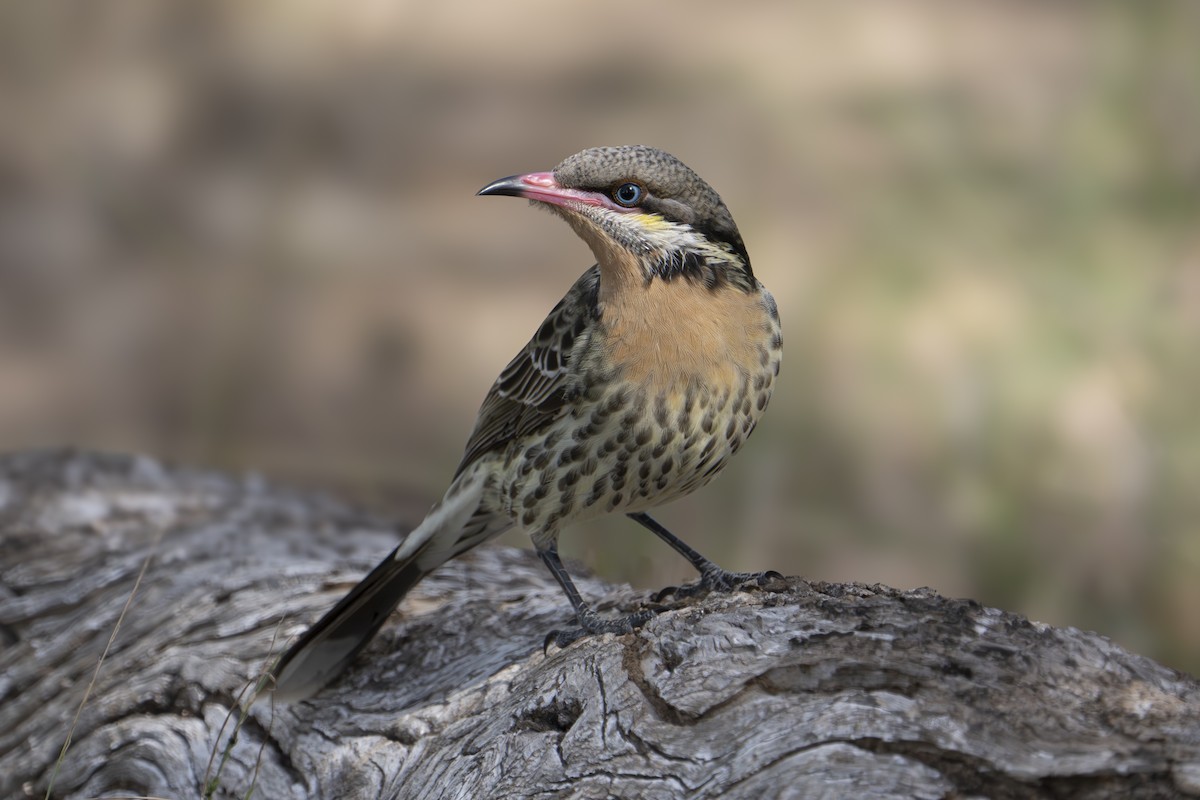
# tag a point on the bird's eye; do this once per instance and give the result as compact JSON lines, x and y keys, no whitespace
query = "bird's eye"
{"x":627,"y":194}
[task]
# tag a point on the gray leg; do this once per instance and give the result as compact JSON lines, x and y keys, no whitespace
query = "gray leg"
{"x":589,"y":621}
{"x":712,"y":577}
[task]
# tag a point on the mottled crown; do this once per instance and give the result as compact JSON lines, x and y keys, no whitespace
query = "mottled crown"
{"x":673,"y":189}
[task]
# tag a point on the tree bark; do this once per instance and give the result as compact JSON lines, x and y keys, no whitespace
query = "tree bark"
{"x":797,"y":690}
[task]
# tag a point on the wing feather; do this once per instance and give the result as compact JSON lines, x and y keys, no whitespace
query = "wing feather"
{"x":531,"y":391}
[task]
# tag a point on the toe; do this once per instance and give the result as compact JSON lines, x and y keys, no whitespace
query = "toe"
{"x":665,"y":592}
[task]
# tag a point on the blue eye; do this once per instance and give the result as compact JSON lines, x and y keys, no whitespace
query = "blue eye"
{"x":627,"y":194}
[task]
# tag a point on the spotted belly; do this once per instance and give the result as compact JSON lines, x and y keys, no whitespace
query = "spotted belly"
{"x":629,"y":450}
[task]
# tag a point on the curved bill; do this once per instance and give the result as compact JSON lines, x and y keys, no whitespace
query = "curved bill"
{"x":542,"y":187}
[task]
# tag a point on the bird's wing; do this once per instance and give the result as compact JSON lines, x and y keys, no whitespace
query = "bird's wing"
{"x":531,"y":391}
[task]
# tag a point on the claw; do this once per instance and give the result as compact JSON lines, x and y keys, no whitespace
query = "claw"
{"x":664,"y":592}
{"x":593,"y":624}
{"x":567,"y":637}
{"x":770,"y":576}
{"x":718,"y":580}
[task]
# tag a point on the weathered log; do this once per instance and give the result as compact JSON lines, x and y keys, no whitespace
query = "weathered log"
{"x":800,"y":690}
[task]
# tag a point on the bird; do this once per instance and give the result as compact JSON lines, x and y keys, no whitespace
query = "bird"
{"x":634,"y":391}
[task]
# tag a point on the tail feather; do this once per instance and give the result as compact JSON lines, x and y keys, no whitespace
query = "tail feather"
{"x":332,"y":641}
{"x":325,"y":649}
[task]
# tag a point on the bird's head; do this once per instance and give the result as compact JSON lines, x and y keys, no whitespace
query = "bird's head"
{"x":640,"y":206}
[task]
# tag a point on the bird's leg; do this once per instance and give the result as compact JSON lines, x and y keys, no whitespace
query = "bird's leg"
{"x":589,"y":621}
{"x":712,"y":577}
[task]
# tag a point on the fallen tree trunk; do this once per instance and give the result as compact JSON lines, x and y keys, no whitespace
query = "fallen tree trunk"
{"x":799,"y":690}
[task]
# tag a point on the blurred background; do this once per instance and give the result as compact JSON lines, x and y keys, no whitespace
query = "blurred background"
{"x":244,"y":236}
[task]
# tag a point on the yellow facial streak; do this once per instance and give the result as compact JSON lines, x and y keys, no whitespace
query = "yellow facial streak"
{"x":651,"y":222}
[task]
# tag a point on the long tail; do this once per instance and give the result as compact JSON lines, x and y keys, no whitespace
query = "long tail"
{"x":328,"y":646}
{"x":325,"y":649}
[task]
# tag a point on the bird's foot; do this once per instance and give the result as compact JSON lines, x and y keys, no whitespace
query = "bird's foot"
{"x":592,"y":623}
{"x":718,"y":580}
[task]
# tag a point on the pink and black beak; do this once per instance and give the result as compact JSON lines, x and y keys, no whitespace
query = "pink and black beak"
{"x":542,"y":187}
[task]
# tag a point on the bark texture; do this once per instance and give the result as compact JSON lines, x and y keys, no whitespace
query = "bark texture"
{"x":798,"y":690}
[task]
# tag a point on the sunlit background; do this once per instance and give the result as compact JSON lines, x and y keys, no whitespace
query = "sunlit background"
{"x":244,"y":235}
